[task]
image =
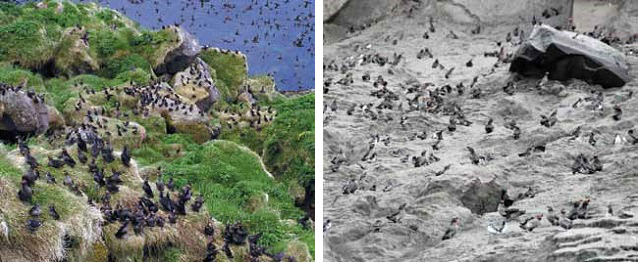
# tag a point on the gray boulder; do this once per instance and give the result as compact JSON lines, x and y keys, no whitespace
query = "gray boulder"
{"x":566,"y":55}
{"x":182,"y":56}
{"x":472,"y":192}
{"x":20,"y":114}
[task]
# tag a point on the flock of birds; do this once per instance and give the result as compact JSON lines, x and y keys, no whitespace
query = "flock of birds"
{"x":278,"y":36}
{"x":435,"y":100}
{"x":159,"y":206}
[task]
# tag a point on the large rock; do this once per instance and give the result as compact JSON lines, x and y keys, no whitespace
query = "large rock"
{"x":186,"y":119}
{"x":182,"y":55}
{"x":565,"y":55}
{"x":20,"y":114}
{"x":196,"y":85}
{"x":478,"y":196}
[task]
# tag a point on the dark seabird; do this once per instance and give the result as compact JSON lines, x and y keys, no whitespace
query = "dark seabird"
{"x":147,"y":189}
{"x":211,"y":252}
{"x":510,"y":212}
{"x":68,"y":160}
{"x":452,"y":229}
{"x":209,"y":229}
{"x":573,"y":213}
{"x":35,"y":211}
{"x":82,"y":157}
{"x":327,"y":225}
{"x":582,"y":211}
{"x":53,"y":213}
{"x":31,"y":161}
{"x":50,"y":178}
{"x":25,"y":193}
{"x":122,"y":231}
{"x":170,"y":185}
{"x":531,"y":223}
{"x":474,"y":158}
{"x":197,"y":204}
{"x":55,"y":163}
{"x":489,"y":127}
{"x":33,"y":225}
{"x":126,"y":157}
{"x":30,"y":176}
{"x":549,"y":121}
{"x":617,"y":113}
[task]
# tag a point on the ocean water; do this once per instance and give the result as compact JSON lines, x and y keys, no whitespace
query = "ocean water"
{"x":278,"y":36}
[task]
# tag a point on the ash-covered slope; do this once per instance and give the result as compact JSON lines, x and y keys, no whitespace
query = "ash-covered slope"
{"x":402,"y":120}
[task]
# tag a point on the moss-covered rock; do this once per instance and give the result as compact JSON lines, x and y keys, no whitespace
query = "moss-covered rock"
{"x":73,"y":56}
{"x":229,"y":70}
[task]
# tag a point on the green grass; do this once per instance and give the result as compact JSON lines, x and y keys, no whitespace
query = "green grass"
{"x":171,"y":255}
{"x":234,"y":186}
{"x":25,"y":42}
{"x":288,"y":150}
{"x":288,"y":143}
{"x":31,"y":37}
{"x":15,"y":76}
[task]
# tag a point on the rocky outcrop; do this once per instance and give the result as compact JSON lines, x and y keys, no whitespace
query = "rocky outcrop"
{"x":246,"y":97}
{"x":355,"y":13}
{"x":467,"y":14}
{"x":196,"y":85}
{"x":182,"y":55}
{"x":477,"y":196}
{"x":566,"y":55}
{"x":603,"y":239}
{"x":22,"y":113}
{"x":183,"y":116}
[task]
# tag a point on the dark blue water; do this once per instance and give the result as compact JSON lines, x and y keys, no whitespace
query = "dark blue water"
{"x":278,"y":36}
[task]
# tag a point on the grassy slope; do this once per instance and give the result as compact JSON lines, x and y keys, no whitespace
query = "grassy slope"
{"x":29,"y":37}
{"x":287,"y":145}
